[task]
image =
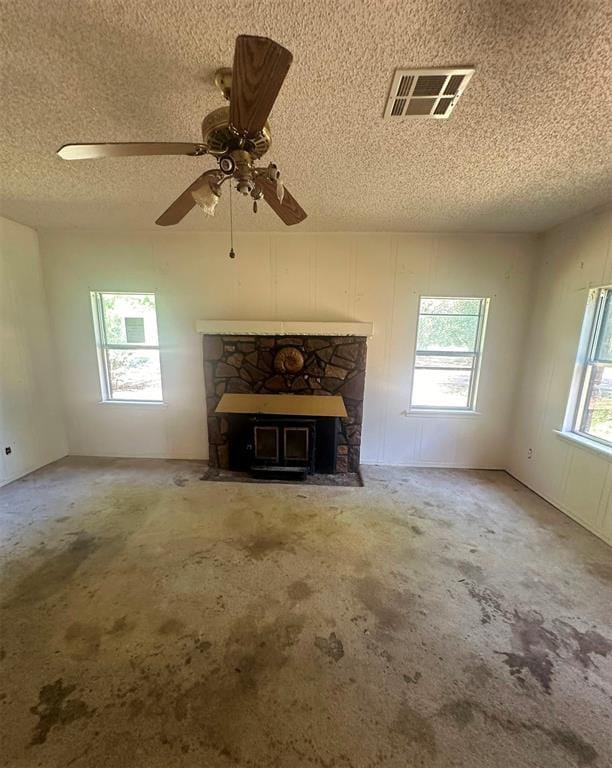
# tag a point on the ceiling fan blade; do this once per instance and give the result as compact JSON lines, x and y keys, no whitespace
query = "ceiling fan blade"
{"x":289,"y":209}
{"x":96,"y":151}
{"x":260,"y":66}
{"x":184,"y":202}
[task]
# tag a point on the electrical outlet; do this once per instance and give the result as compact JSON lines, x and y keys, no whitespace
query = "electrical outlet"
{"x":530,"y":453}
{"x":8,"y":450}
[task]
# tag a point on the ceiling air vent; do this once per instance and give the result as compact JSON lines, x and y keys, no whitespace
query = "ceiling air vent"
{"x":426,"y":92}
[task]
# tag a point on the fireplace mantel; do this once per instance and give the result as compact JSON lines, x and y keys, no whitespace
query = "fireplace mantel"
{"x":281,"y":328}
{"x":282,"y":405}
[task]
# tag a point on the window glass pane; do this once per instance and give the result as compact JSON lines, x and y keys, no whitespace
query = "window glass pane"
{"x":441,"y":389}
{"x":134,"y":374}
{"x":430,"y":306}
{"x":603,"y":350}
{"x":130,"y":318}
{"x":449,"y":330}
{"x":443,"y":361}
{"x":447,"y":333}
{"x":597,"y":415}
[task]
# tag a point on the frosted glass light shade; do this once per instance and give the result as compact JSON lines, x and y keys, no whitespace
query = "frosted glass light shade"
{"x":206,"y":198}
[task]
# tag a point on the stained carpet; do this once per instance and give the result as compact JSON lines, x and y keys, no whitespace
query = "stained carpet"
{"x":431,"y":618}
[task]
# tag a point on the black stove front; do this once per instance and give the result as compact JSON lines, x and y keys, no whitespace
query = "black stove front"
{"x":287,"y":442}
{"x":267,"y":445}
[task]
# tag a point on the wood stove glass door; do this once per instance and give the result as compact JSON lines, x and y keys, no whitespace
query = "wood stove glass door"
{"x":296,"y":444}
{"x":266,"y":444}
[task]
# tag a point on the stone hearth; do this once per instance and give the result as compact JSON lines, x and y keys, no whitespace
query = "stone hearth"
{"x":332,"y":365}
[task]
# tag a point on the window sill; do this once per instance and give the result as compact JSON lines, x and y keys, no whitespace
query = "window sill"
{"x":603,"y":451}
{"x":147,"y":403}
{"x":440,"y":412}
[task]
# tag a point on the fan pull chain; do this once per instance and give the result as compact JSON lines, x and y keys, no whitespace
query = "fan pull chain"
{"x":232,"y":253}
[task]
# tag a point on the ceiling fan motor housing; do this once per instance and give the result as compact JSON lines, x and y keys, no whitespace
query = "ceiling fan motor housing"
{"x":220,"y":139}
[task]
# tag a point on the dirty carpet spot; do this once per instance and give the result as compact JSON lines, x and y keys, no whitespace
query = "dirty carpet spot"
{"x":389,"y":606}
{"x":83,"y":640}
{"x":299,"y":590}
{"x":331,"y":646}
{"x":54,"y":572}
{"x":417,"y":730}
{"x":171,"y":626}
{"x":533,"y":645}
{"x":55,"y":708}
{"x":586,"y":644}
{"x":463,"y":711}
{"x":260,"y":547}
{"x":490,"y":603}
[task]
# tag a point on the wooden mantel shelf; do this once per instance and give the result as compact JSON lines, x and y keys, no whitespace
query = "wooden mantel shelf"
{"x":283,"y":405}
{"x":281,"y":328}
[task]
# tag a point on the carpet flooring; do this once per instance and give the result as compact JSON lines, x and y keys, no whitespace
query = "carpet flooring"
{"x":443,"y":618}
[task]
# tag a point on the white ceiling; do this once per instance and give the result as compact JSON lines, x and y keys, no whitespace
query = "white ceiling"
{"x":526,"y":147}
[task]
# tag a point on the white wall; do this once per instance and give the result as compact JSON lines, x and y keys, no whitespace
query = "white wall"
{"x":573,"y":258}
{"x":30,"y":412}
{"x":289,"y":276}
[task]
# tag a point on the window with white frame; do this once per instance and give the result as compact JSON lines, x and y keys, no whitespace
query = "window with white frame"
{"x":450,"y":336}
{"x":592,"y":397}
{"x":128,"y":346}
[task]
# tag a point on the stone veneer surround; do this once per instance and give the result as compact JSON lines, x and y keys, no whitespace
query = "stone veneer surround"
{"x":333,"y":365}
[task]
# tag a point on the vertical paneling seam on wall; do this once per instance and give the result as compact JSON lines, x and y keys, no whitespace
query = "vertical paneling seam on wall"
{"x":569,"y":459}
{"x":353,"y":281}
{"x":32,"y":444}
{"x":525,"y":345}
{"x":569,"y":455}
{"x":273,"y":273}
{"x":608,"y":255}
{"x":312,"y":277}
{"x":389,"y":345}
{"x":604,"y":498}
{"x":53,"y":338}
{"x":540,"y":428}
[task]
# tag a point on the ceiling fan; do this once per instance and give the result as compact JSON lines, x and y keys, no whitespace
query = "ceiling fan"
{"x":236,"y":136}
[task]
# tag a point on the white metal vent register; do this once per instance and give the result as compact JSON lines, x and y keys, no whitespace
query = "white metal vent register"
{"x":426,"y":92}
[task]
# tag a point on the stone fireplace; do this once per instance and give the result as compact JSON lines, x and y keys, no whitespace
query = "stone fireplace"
{"x":311,"y":363}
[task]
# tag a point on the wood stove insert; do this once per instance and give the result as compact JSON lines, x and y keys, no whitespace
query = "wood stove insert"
{"x":280,"y":434}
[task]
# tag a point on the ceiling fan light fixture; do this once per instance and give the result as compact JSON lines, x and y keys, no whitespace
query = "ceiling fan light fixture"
{"x":206,"y":197}
{"x":235,"y":135}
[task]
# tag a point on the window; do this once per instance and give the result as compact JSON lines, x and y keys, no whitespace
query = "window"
{"x":592,"y":407}
{"x":128,"y":346}
{"x":448,"y":350}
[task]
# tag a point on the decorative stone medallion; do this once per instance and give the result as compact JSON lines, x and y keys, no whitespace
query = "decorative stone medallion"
{"x":288,"y":360}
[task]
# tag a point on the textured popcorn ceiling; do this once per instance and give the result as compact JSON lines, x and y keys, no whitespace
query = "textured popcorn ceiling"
{"x":525,"y":148}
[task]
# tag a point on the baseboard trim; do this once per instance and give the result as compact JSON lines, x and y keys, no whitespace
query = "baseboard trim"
{"x":164,"y":457}
{"x":433,"y":465}
{"x":33,"y":468}
{"x":566,"y":511}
